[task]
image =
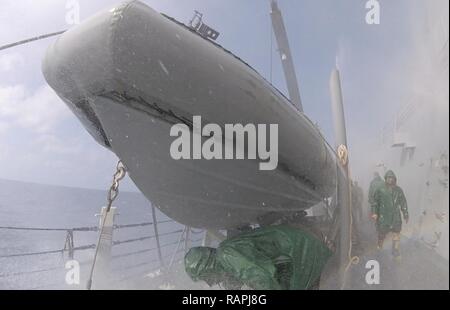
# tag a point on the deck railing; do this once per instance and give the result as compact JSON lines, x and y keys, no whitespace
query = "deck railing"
{"x":186,"y":238}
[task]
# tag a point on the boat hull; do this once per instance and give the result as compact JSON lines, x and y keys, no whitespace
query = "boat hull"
{"x":130,"y":74}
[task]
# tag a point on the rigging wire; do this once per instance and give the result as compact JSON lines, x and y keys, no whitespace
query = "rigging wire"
{"x":44,"y":36}
{"x":271,"y":54}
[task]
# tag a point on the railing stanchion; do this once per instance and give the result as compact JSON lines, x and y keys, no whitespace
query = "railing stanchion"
{"x":71,"y":244}
{"x":178,"y":247}
{"x":105,"y":245}
{"x":186,"y":240}
{"x":155,"y":228}
{"x":68,"y":245}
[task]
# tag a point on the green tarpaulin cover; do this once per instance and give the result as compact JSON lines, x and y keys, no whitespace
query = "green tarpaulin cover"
{"x":276,"y":257}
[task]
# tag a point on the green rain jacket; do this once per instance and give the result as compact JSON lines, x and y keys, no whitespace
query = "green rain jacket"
{"x":271,"y":258}
{"x":389,"y":202}
{"x":374,"y":185}
{"x":357,"y":200}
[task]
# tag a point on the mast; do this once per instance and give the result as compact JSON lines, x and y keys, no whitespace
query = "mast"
{"x":344,"y":189}
{"x":285,"y":54}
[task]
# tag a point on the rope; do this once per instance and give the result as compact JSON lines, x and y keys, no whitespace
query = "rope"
{"x":352,"y":260}
{"x":44,"y":36}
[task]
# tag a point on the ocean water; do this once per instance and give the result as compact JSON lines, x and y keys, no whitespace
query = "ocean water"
{"x":44,"y":206}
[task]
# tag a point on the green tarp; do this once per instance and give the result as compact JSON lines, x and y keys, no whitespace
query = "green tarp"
{"x":276,"y":257}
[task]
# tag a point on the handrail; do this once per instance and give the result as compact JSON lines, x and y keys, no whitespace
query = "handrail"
{"x":71,"y":249}
{"x":143,"y":238}
{"x":90,"y":246}
{"x":5,"y":275}
{"x":38,"y":229}
{"x":33,"y":253}
{"x":142,"y":251}
{"x":85,"y":229}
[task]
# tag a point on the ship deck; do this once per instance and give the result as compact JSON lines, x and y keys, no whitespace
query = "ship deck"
{"x":421,"y":268}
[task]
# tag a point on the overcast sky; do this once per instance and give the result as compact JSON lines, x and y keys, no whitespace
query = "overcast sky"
{"x":41,"y":141}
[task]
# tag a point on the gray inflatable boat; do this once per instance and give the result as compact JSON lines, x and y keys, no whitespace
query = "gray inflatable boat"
{"x":130,"y":73}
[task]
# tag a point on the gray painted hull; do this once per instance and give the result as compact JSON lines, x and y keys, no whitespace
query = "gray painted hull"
{"x":130,"y":73}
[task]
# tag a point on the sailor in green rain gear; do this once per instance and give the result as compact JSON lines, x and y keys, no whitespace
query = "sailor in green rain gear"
{"x":389,"y":203}
{"x":374,"y":184}
{"x":270,"y":258}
